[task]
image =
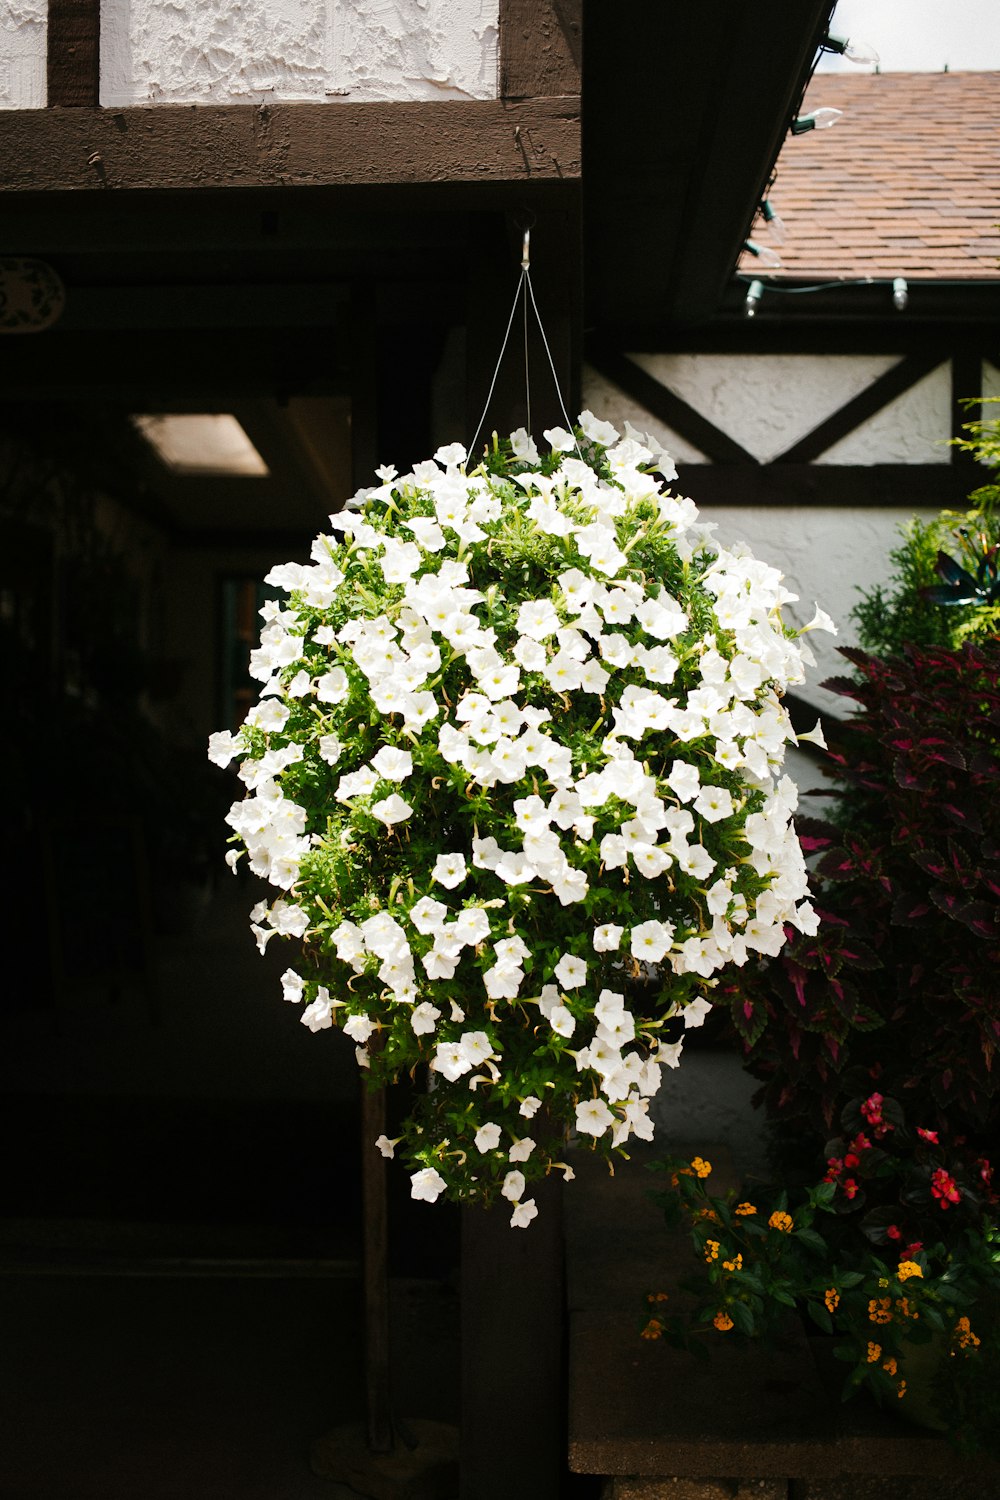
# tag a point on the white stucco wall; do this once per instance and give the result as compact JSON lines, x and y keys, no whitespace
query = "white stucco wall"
{"x":23,"y":33}
{"x":827,"y":554}
{"x":233,"y":51}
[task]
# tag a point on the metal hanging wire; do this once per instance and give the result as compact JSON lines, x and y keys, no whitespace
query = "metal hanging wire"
{"x":524,"y":291}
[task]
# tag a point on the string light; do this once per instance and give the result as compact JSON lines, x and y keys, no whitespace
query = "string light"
{"x":768,"y":258}
{"x":816,"y":119}
{"x":855,"y":52}
{"x":900,"y":293}
{"x":775,"y":223}
{"x":754,"y":293}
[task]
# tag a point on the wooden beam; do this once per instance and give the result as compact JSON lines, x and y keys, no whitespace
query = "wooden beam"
{"x":477,"y":141}
{"x":74,"y":53}
{"x":864,"y":405}
{"x":667,"y":407}
{"x":540,"y":48}
{"x":906,"y":486}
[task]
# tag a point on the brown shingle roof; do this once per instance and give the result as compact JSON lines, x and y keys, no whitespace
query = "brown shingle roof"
{"x":907,"y":183}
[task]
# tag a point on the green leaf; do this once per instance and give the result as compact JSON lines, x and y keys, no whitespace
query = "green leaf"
{"x":742,"y":1317}
{"x":820,"y":1316}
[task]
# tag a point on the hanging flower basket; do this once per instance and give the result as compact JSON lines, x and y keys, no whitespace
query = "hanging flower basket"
{"x":518,"y":747}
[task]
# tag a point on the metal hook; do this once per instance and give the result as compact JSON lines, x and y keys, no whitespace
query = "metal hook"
{"x":526,"y":250}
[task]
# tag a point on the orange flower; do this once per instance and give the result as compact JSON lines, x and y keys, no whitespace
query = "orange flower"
{"x":733,"y":1265}
{"x":874,"y":1353}
{"x":743,"y":1209}
{"x":965,"y":1336}
{"x":880,"y":1310}
{"x":723,"y":1321}
{"x":832,"y":1299}
{"x":903,"y":1306}
{"x":652,"y":1330}
{"x":889,"y":1365}
{"x":711,"y":1250}
{"x":657,"y":1297}
{"x":902,"y":1389}
{"x":780,"y":1220}
{"x":701,"y":1167}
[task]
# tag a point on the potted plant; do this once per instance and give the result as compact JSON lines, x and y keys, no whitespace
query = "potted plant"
{"x":516,"y":774}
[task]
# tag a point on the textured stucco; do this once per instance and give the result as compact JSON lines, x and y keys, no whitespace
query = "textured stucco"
{"x":768,"y":401}
{"x":227,"y":51}
{"x":23,"y":35}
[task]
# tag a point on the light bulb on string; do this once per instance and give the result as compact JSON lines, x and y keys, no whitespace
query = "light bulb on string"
{"x":754,"y":293}
{"x":900,"y":293}
{"x":854,"y":51}
{"x":816,"y":119}
{"x":770,"y":259}
{"x":775,"y":223}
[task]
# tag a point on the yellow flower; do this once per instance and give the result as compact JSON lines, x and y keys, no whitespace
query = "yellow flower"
{"x":723,"y":1322}
{"x":880,"y":1310}
{"x":908,"y":1268}
{"x":711,"y":1250}
{"x":733,"y":1265}
{"x":874,"y":1353}
{"x":889,"y":1365}
{"x":701,"y":1167}
{"x":652,"y":1330}
{"x":743,"y":1209}
{"x":780,"y":1220}
{"x":832,"y":1299}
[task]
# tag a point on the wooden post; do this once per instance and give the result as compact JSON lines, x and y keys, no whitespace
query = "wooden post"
{"x":376,"y":1272}
{"x":513,"y":1436}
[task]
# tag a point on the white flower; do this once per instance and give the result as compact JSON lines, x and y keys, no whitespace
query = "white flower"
{"x":713,"y":803}
{"x":330,"y":748}
{"x":449,"y":870}
{"x":820,"y":621}
{"x":521,"y":1150}
{"x":359,"y":1028}
{"x":651,"y":940}
{"x":392,"y":764}
{"x":454,"y":455}
{"x":476,"y":1047}
{"x":223,"y":746}
{"x":292,"y":985}
{"x":450,"y":1059}
{"x":390,"y":810}
{"x":607,"y":937}
{"x":530,"y":1107}
{"x":427,"y":1185}
{"x":523,"y":1214}
{"x":571,"y":972}
{"x":387,"y":1147}
{"x":424,"y":1017}
{"x":593,"y":1117}
{"x":562,"y":1021}
{"x":318,"y":1015}
{"x":333,"y":686}
{"x":428,"y":916}
{"x":683,"y":779}
{"x":487,"y":1138}
{"x":597,"y":431}
{"x":513,"y":1186}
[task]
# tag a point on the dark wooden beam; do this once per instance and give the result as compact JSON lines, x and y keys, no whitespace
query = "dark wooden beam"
{"x":481,"y":141}
{"x":906,"y":486}
{"x":666,"y":406}
{"x":540,"y":48}
{"x":864,"y":405}
{"x":74,"y":53}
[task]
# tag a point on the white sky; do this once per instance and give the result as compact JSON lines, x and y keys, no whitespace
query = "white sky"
{"x":921,"y":36}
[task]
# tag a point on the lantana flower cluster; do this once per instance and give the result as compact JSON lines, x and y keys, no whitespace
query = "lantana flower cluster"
{"x":516,"y":773}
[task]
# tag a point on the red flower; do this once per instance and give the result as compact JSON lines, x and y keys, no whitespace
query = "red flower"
{"x":928,"y":1135}
{"x":944,"y":1188}
{"x":894,"y":1233}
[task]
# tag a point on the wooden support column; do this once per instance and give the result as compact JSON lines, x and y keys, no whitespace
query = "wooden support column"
{"x":74,"y":53}
{"x":513,"y":1437}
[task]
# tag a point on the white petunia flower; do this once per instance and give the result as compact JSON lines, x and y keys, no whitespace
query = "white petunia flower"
{"x":390,"y":810}
{"x":593,"y":1117}
{"x":513,"y":1186}
{"x":427,"y":1185}
{"x":392,"y":764}
{"x":487,"y":1138}
{"x":523,"y":1214}
{"x":449,"y":870}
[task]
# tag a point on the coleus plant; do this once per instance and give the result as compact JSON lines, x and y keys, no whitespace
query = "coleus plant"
{"x":516,"y":772}
{"x":900,"y":978}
